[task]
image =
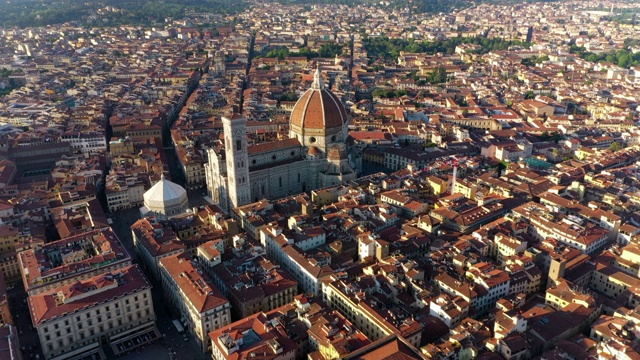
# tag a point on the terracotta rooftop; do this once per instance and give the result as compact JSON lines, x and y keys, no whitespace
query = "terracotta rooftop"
{"x":84,"y":294}
{"x":198,"y":288}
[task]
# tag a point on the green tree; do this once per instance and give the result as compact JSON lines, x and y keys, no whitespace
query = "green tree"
{"x":330,"y":49}
{"x":614,"y":146}
{"x":438,"y":76}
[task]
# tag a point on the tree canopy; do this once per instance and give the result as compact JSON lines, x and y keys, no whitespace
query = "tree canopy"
{"x":624,"y":57}
{"x":137,"y":12}
{"x":327,"y":50}
{"x":386,"y":48}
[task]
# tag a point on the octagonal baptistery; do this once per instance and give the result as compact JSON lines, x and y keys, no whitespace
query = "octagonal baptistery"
{"x":318,"y":118}
{"x":166,"y":198}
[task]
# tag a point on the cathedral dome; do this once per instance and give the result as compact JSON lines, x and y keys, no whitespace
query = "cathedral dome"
{"x":318,"y":109}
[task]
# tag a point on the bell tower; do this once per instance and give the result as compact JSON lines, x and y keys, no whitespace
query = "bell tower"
{"x":219,"y":68}
{"x":235,"y":140}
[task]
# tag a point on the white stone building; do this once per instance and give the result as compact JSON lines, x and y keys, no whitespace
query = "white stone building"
{"x":164,"y":199}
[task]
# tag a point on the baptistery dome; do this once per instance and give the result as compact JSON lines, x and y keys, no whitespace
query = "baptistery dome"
{"x":165,"y":198}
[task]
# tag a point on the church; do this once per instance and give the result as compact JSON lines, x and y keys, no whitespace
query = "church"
{"x":316,"y":155}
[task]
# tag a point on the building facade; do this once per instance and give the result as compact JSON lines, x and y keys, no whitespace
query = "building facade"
{"x":75,"y":319}
{"x":200,"y":304}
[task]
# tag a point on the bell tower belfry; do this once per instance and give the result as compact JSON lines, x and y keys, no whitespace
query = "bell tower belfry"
{"x":235,"y":140}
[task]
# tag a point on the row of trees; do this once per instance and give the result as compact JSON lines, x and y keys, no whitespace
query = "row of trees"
{"x":389,"y":94}
{"x":623,"y":57}
{"x":327,"y":50}
{"x":532,"y":61}
{"x":385,"y":48}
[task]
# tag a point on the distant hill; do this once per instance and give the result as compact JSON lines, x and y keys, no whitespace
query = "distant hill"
{"x":415,"y":6}
{"x":24,"y":13}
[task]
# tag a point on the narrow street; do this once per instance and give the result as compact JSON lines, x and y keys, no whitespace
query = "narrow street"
{"x":173,"y":342}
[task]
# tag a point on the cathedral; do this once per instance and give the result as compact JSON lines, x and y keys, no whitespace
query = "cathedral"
{"x":316,"y":154}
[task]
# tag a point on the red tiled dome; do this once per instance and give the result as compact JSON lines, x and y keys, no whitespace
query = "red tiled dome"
{"x":318,"y":108}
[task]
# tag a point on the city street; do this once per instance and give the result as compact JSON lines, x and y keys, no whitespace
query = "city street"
{"x":172,"y":341}
{"x":28,"y":336}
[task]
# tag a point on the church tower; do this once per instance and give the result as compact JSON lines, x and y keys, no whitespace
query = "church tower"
{"x":235,"y":136}
{"x":219,"y":67}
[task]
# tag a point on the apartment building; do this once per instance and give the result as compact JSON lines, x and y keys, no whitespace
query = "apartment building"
{"x":9,"y":343}
{"x":356,"y":300}
{"x":288,"y":248}
{"x":153,"y":241}
{"x":9,"y":247}
{"x":570,"y":230}
{"x":250,"y":280}
{"x":65,"y":261}
{"x":197,"y":299}
{"x":257,"y":334}
{"x":74,"y":319}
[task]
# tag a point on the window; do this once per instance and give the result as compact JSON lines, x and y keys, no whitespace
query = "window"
{"x":279,"y":180}
{"x":238,"y":145}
